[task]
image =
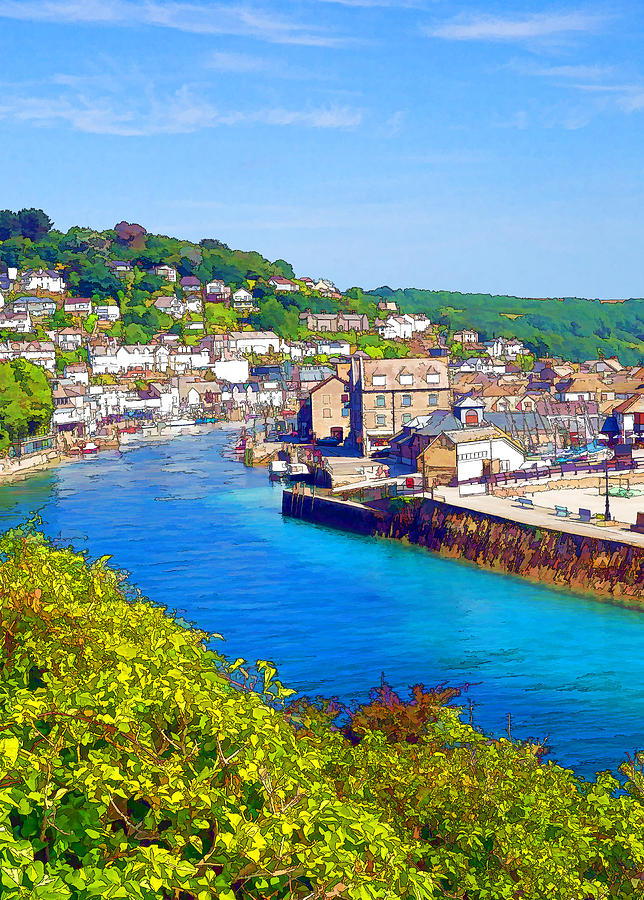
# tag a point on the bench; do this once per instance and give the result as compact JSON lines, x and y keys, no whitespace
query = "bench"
{"x":585,"y":515}
{"x":562,"y":512}
{"x":524,"y":502}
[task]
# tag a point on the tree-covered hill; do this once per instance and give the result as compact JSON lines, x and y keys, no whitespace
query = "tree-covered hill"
{"x":570,"y":327}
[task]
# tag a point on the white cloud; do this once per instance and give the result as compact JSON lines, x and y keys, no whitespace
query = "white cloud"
{"x":498,"y":28}
{"x":223,"y":61}
{"x":196,"y":18}
{"x":182,"y":112}
{"x":579,"y":71}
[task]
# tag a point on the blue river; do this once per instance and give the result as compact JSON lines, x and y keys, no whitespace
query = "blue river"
{"x":204,"y":536}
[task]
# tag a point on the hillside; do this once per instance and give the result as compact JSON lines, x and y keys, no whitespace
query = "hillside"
{"x":572,"y":328}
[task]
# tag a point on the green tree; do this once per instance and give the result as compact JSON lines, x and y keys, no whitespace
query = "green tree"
{"x":25,"y":399}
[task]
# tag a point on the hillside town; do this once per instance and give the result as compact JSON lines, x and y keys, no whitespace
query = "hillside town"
{"x":458,"y":407}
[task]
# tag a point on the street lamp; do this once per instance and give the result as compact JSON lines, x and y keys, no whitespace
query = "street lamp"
{"x":610,"y":438}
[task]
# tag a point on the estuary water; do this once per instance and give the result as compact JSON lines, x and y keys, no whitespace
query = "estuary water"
{"x":204,"y":536}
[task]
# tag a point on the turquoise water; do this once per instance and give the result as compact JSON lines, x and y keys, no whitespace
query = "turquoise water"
{"x":203,"y":535}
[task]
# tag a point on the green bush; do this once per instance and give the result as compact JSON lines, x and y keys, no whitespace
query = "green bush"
{"x":136,"y":762}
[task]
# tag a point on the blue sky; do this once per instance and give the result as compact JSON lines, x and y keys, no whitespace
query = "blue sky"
{"x":489,"y":146}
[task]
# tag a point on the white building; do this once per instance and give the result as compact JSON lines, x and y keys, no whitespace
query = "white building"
{"x":334,"y":348}
{"x":171,"y":305}
{"x":43,"y":280}
{"x":282,"y":285}
{"x":242,"y":300}
{"x":183,"y":359}
{"x":261,"y":342}
{"x":40,"y":353}
{"x":108,"y":313}
{"x":482,"y":449}
{"x":112,"y":359}
{"x":19,"y":322}
{"x":231,"y":369}
{"x":78,"y":306}
{"x":169,"y":273}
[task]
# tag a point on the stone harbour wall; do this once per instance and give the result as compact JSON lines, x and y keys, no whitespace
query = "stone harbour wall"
{"x":606,"y":568}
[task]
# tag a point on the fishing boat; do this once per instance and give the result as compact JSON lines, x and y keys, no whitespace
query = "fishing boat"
{"x":277,"y":469}
{"x":89,"y":448}
{"x":180,"y":423}
{"x":297,"y":471}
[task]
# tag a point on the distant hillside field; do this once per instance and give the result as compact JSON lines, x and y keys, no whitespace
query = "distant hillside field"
{"x":572,"y":328}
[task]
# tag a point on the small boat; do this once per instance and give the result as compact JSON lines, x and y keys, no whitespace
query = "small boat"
{"x":180,"y":423}
{"x":297,"y":472}
{"x":277,"y":469}
{"x":90,"y":447}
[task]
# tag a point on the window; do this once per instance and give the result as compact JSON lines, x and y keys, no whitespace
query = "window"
{"x":380,"y":400}
{"x":406,"y":418}
{"x":326,"y":413}
{"x":406,"y":400}
{"x":407,"y":379}
{"x":433,"y":378}
{"x":345,"y":411}
{"x":326,"y":399}
{"x":379,"y":380}
{"x":380,"y":420}
{"x":433,"y":400}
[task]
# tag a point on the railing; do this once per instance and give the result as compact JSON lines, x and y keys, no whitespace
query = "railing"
{"x":574,"y":468}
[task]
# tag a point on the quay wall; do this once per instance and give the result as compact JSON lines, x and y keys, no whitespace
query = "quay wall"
{"x":606,"y":568}
{"x":359,"y":519}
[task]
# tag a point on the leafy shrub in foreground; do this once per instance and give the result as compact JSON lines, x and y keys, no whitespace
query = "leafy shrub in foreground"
{"x":136,"y":763}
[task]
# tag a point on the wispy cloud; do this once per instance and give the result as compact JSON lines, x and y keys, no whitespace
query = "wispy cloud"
{"x":510,"y":29}
{"x":223,"y":61}
{"x":373,"y":4}
{"x":197,"y":18}
{"x":183,"y":111}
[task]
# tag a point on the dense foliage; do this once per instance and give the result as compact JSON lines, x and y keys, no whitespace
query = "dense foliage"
{"x":25,"y":400}
{"x":571,"y":328}
{"x":136,"y":762}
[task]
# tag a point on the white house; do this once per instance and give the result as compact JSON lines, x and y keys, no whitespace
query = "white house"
{"x":170,"y":305}
{"x":484,"y":448}
{"x":500,"y":348}
{"x":261,"y":342}
{"x":242,"y":299}
{"x":282,"y":285}
{"x":169,"y":273}
{"x":113,"y":359}
{"x":37,"y":306}
{"x":68,"y":338}
{"x":43,"y":280}
{"x":231,"y":369}
{"x":420,"y":322}
{"x":466,"y":336}
{"x":78,"y":306}
{"x":185,"y":358}
{"x":15,"y":321}
{"x":76,"y":372}
{"x":216,"y":286}
{"x":108,"y":312}
{"x":40,"y":353}
{"x":397,"y":328}
{"x":193,"y":303}
{"x":334,"y":348}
